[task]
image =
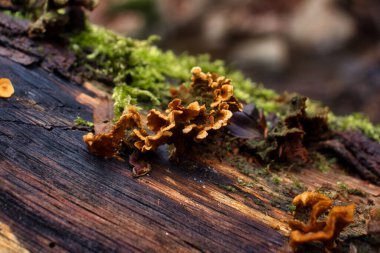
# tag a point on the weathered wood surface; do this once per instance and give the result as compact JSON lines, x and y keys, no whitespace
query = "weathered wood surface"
{"x":55,"y":196}
{"x":53,"y":192}
{"x":49,"y":55}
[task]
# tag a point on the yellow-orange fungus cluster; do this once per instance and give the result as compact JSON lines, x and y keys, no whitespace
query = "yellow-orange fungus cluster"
{"x":325,"y":231}
{"x":110,"y":144}
{"x":194,"y":120}
{"x":207,"y":105}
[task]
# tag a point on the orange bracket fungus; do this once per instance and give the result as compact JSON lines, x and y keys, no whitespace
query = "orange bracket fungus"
{"x":6,"y":88}
{"x":109,"y":144}
{"x":325,"y":231}
{"x":205,"y":106}
{"x":186,"y":119}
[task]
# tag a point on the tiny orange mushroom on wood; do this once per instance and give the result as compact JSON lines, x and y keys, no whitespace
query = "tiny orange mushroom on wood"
{"x":185,"y":120}
{"x":6,"y":88}
{"x":323,"y":231}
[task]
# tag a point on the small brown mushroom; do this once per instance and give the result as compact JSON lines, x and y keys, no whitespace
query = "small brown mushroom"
{"x":319,"y":204}
{"x":323,"y":231}
{"x":156,"y":120}
{"x":110,"y":144}
{"x":6,"y":88}
{"x":195,"y":120}
{"x":222,"y":94}
{"x":150,"y":142}
{"x":206,"y":105}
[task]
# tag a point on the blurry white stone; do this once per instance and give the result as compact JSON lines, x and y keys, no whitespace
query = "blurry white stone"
{"x":128,"y":23}
{"x":319,"y":25}
{"x":270,"y":53}
{"x":180,"y":11}
{"x":216,"y":27}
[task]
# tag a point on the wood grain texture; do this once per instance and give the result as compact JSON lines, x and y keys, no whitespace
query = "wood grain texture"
{"x":53,"y":192}
{"x":52,"y":56}
{"x":56,"y":197}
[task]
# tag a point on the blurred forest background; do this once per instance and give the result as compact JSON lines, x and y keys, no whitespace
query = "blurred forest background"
{"x":326,"y":49}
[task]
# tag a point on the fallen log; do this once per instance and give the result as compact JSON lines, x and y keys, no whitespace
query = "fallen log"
{"x":55,"y":195}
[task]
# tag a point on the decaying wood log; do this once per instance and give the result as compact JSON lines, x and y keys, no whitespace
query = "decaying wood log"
{"x":55,"y":195}
{"x":53,"y":192}
{"x":16,"y":45}
{"x":358,"y":152}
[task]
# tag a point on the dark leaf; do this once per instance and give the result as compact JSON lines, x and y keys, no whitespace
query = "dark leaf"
{"x":248,"y":124}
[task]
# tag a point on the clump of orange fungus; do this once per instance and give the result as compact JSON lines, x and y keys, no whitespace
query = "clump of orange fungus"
{"x":6,"y":88}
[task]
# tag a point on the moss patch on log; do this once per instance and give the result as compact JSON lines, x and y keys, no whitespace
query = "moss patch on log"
{"x":143,"y":74}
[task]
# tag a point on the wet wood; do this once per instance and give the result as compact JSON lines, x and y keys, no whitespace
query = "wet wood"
{"x":56,"y":197}
{"x":54,"y":194}
{"x":359,"y":153}
{"x":17,"y":46}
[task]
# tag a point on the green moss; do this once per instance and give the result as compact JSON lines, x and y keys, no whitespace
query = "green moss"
{"x":245,"y":183}
{"x":79,"y":121}
{"x":357,"y":192}
{"x":344,"y":187}
{"x":143,"y":74}
{"x":292,"y":207}
{"x":242,"y":165}
{"x":322,"y":163}
{"x":297,"y":183}
{"x":276,"y":180}
{"x":263,"y":172}
{"x":19,"y":14}
{"x":329,"y":192}
{"x":107,"y":55}
{"x":229,"y":188}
